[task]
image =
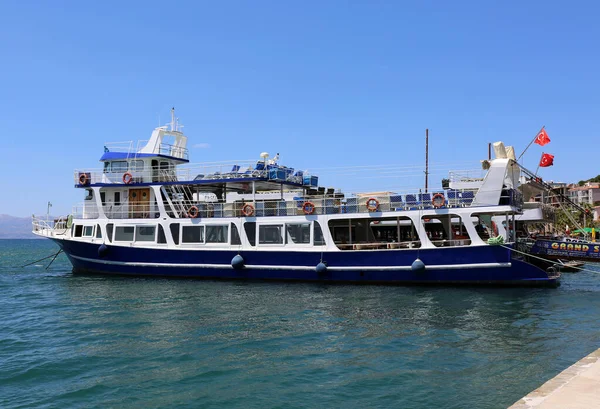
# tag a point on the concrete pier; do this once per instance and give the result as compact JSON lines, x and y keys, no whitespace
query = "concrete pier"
{"x":577,"y":387}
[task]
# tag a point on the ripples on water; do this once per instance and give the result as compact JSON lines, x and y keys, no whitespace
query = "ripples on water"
{"x":89,"y":341}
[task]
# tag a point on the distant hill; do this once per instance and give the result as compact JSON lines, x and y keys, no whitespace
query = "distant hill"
{"x":15,"y":227}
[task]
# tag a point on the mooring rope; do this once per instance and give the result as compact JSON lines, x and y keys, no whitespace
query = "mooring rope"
{"x":45,"y":258}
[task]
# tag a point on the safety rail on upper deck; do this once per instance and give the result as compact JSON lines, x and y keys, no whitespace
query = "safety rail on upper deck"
{"x":132,"y":148}
{"x":178,"y":206}
{"x":137,"y":172}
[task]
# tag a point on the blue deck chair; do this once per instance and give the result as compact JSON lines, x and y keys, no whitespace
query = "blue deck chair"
{"x":396,"y":202}
{"x":411,"y":202}
{"x":425,"y":199}
{"x":467,"y":198}
{"x":452,"y":198}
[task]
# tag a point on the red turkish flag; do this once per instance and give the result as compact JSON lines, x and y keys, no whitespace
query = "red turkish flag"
{"x":542,"y":138}
{"x":547,"y":160}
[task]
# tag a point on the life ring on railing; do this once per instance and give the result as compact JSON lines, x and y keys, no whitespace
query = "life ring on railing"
{"x":438,"y":200}
{"x":248,"y":210}
{"x":372,"y":204}
{"x":193,"y":212}
{"x":308,"y":208}
{"x":127,"y":178}
{"x":83,"y":179}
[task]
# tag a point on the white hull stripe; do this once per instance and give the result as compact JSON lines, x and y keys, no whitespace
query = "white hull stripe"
{"x":297,"y":268}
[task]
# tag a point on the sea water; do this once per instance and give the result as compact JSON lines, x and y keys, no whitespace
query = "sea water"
{"x":77,"y":341}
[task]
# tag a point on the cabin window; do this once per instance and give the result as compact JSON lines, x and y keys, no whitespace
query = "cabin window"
{"x":136,"y":165}
{"x":103,"y":197}
{"x":89,"y":194}
{"x":162,"y":239}
{"x":446,"y":230}
{"x":119,"y":166}
{"x":174,"y":227}
{"x":374,"y":233}
{"x":117,"y":198}
{"x":124,"y":233}
{"x":145,"y":233}
{"x":298,"y":233}
{"x":270,"y":234}
{"x":318,"y":240}
{"x":235,"y":235}
{"x":250,"y":229}
{"x":98,"y":232}
{"x":192,"y":234}
{"x":216,"y":234}
{"x":109,"y":231}
{"x":78,"y":230}
{"x":88,"y":231}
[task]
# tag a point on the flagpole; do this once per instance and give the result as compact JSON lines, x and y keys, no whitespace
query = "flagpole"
{"x":530,"y":143}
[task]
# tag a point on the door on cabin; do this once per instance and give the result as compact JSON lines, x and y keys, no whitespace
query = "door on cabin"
{"x":139,"y":203}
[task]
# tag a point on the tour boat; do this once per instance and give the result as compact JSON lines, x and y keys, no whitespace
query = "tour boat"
{"x":148,"y":212}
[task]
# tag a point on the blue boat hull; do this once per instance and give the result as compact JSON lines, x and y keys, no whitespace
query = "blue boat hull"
{"x":491,"y":265}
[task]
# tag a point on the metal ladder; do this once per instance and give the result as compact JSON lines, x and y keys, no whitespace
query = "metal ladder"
{"x":176,"y":195}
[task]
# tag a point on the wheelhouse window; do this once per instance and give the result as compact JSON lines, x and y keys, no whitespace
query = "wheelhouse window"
{"x":89,"y":194}
{"x":216,"y":234}
{"x":124,"y":233}
{"x":298,"y":233}
{"x":270,"y":234}
{"x":78,"y":230}
{"x":192,"y":234}
{"x":117,"y":198}
{"x":136,"y":165}
{"x":119,"y":166}
{"x":145,"y":233}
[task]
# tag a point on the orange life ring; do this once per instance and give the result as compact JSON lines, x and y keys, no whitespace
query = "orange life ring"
{"x":436,"y":202}
{"x":248,"y":209}
{"x":372,"y":204}
{"x":83,"y":179}
{"x":193,"y":212}
{"x":308,"y":208}
{"x":127,"y":178}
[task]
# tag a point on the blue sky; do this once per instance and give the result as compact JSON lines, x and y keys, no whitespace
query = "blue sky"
{"x":325,"y":83}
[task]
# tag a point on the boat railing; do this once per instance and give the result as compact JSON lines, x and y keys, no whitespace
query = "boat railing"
{"x":181,"y":205}
{"x":47,"y":227}
{"x":471,"y":175}
{"x":195,"y":173}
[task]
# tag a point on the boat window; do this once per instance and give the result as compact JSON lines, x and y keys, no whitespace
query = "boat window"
{"x":145,"y":233}
{"x":298,"y":233}
{"x":484,"y":226}
{"x":250,"y":229}
{"x":98,"y":232}
{"x":162,"y":239}
{"x":119,"y":166}
{"x":270,"y":234}
{"x":319,"y":240}
{"x":117,"y":198}
{"x":374,"y":233}
{"x":78,"y":230}
{"x":106,"y":167}
{"x":446,"y":230}
{"x":192,"y":234}
{"x":235,"y":235}
{"x":109,"y":231}
{"x":124,"y":233}
{"x":89,"y":194}
{"x":103,"y":197}
{"x":136,"y":165}
{"x":88,"y":231}
{"x":216,"y":234}
{"x":174,"y":227}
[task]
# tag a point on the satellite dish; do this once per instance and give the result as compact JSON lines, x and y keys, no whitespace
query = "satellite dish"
{"x":264,"y":155}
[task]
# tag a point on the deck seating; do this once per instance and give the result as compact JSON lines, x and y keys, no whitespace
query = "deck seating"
{"x":452,"y":198}
{"x":467,"y":198}
{"x":425,"y":199}
{"x":396,"y":202}
{"x":412,"y":203}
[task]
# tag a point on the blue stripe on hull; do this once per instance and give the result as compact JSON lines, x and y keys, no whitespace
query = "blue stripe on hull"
{"x":482,"y":265}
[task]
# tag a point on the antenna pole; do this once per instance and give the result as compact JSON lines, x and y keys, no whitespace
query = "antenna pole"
{"x":489,"y":151}
{"x":173,"y":119}
{"x":426,"y":158}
